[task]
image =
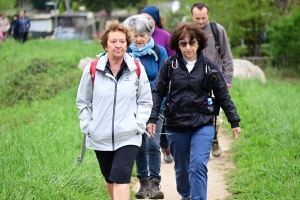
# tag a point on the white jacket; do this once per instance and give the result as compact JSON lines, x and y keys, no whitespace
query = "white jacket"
{"x":119,"y":110}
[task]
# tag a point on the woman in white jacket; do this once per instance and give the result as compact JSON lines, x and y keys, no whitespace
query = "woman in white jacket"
{"x":4,"y":26}
{"x":114,"y":109}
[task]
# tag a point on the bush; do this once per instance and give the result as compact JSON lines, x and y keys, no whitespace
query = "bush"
{"x":75,"y":6}
{"x":61,"y":8}
{"x":40,"y":80}
{"x":284,"y":38}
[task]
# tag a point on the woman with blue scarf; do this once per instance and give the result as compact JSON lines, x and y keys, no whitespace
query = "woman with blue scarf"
{"x":148,"y":159}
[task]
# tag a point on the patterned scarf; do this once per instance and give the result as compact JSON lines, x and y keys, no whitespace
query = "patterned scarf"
{"x":146,"y":50}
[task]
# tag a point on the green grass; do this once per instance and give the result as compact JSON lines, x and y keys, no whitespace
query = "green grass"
{"x":267,"y":155}
{"x":41,"y":140}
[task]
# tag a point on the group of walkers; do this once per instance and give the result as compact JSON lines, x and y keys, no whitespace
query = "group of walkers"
{"x":18,"y":27}
{"x":150,"y":84}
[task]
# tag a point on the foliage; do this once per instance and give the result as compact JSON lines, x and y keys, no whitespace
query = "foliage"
{"x":247,"y":20}
{"x":75,"y":6}
{"x":35,"y":72}
{"x":45,"y":141}
{"x":284,"y":37}
{"x":173,"y":19}
{"x":266,"y":155}
{"x":61,"y":8}
{"x":39,"y":4}
{"x":36,"y":81}
{"x":97,"y":5}
{"x":40,"y":142}
{"x":6,"y":4}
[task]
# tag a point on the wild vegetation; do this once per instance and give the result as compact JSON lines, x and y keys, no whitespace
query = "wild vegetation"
{"x":41,"y":139}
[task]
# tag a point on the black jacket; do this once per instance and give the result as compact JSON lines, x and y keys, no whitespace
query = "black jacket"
{"x":186,"y":92}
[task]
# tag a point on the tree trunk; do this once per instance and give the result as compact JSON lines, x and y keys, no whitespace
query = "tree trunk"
{"x":67,"y":4}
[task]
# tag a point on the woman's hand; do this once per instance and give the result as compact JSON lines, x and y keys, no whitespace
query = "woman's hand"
{"x":236,"y":132}
{"x":151,"y":129}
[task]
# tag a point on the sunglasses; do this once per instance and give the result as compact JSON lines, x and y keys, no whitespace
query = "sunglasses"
{"x":183,"y":43}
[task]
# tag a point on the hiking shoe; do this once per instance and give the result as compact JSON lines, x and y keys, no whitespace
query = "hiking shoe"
{"x":143,"y":191}
{"x":167,"y":155}
{"x":185,"y":198}
{"x":154,"y":189}
{"x":216,"y":150}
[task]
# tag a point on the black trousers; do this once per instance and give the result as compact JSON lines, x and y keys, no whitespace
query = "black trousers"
{"x":23,"y":37}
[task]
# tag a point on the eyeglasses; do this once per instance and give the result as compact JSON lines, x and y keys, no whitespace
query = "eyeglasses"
{"x":183,"y":43}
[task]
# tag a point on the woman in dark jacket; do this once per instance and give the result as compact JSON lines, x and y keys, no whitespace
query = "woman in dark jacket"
{"x":12,"y":30}
{"x":189,"y":108}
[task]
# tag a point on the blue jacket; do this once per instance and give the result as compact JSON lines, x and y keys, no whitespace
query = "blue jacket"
{"x":151,"y":66}
{"x":22,"y":25}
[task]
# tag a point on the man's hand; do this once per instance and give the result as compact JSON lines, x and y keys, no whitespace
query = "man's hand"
{"x":236,"y":132}
{"x":228,"y":86}
{"x":151,"y":129}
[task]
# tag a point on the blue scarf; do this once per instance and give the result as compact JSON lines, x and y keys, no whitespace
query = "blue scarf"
{"x":146,"y":50}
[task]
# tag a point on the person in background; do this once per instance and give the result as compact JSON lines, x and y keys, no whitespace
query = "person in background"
{"x":148,"y":159}
{"x":200,"y":15}
{"x":4,"y":26}
{"x":12,"y":27}
{"x":189,"y":115}
{"x":22,"y":26}
{"x":162,"y":38}
{"x":114,"y":111}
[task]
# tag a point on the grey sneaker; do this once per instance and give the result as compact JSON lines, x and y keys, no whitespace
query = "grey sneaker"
{"x":216,"y":150}
{"x":167,"y":155}
{"x":154,"y":189}
{"x":143,"y":191}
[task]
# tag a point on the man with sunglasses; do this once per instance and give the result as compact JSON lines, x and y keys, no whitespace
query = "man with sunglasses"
{"x":222,"y":57}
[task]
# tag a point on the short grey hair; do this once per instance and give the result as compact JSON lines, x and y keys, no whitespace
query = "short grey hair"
{"x":141,"y":24}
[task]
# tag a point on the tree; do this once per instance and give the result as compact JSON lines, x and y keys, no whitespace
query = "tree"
{"x":75,"y":6}
{"x":97,"y":5}
{"x":61,"y":8}
{"x":284,"y":37}
{"x":67,"y":4}
{"x":39,"y":4}
{"x":247,"y":20}
{"x":7,"y":4}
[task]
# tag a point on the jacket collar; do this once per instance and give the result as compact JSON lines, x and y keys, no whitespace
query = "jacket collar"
{"x":103,"y":58}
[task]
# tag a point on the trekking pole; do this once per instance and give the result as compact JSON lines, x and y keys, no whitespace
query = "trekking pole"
{"x":80,"y":159}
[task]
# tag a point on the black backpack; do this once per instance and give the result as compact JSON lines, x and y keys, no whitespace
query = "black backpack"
{"x":157,"y":52}
{"x":215,"y":32}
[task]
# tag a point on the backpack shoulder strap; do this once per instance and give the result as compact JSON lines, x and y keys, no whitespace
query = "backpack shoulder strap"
{"x":215,"y":32}
{"x":93,"y":71}
{"x":157,"y":52}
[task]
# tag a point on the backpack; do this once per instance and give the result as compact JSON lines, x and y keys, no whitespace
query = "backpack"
{"x":215,"y":32}
{"x":93,"y":70}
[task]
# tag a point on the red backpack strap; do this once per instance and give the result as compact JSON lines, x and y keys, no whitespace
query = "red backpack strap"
{"x":138,"y":69}
{"x":93,"y":71}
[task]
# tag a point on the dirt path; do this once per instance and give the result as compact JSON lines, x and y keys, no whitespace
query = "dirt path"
{"x":217,"y":168}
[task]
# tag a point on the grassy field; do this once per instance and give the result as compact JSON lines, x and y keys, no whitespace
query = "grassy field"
{"x":267,"y":156}
{"x":41,"y":139}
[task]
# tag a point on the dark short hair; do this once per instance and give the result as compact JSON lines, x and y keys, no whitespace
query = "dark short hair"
{"x":112,"y":26}
{"x":200,"y":6}
{"x":187,"y":29}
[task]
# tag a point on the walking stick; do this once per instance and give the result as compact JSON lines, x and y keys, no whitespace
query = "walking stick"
{"x":80,"y":159}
